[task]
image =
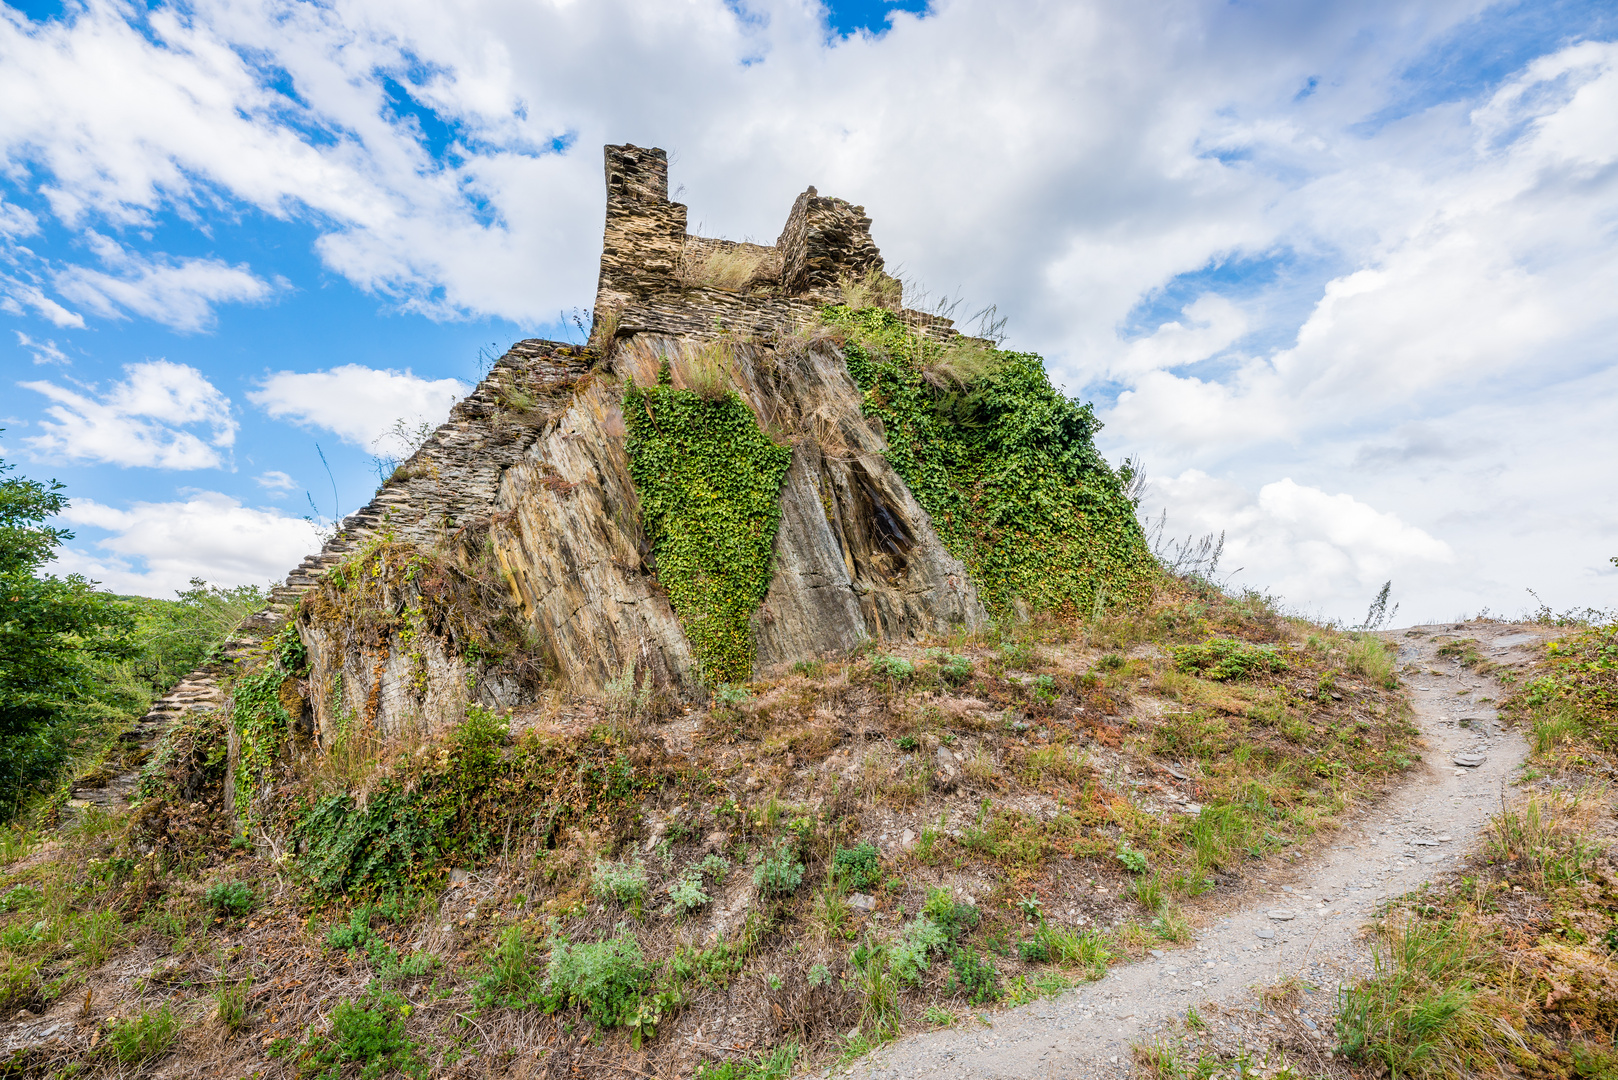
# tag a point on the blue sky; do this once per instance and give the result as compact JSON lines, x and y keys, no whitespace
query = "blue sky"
{"x":1339,"y":273}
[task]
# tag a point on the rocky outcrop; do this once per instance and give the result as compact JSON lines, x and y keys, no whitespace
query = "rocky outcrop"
{"x":534,"y":460}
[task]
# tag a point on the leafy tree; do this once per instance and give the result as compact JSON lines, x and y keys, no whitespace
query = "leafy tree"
{"x":173,"y":637}
{"x":53,"y":632}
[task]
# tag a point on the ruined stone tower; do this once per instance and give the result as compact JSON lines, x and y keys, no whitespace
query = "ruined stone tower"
{"x":535,"y":458}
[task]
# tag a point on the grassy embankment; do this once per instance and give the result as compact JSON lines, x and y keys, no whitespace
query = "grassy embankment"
{"x":1508,"y":967}
{"x":807,"y":867}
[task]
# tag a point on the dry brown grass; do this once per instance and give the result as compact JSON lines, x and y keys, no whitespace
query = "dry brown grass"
{"x":871,"y":289}
{"x":720,"y":265}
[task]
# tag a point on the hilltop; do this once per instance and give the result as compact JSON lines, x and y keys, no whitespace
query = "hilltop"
{"x":780,"y":671}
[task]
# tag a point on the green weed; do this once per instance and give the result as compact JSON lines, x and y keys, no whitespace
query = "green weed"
{"x":858,"y":868}
{"x":368,"y":1033}
{"x":143,"y":1038}
{"x":624,"y":882}
{"x":230,"y":898}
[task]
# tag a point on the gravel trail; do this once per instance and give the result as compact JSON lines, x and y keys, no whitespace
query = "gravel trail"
{"x":1304,"y":920}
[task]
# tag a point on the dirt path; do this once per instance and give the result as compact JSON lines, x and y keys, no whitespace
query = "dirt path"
{"x":1304,"y":920}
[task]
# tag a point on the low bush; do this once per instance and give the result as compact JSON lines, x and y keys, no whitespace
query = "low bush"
{"x":605,"y":978}
{"x":974,"y":976}
{"x":909,"y":955}
{"x":368,"y":1033}
{"x":893,"y":668}
{"x":858,"y":867}
{"x":512,"y":980}
{"x":954,"y":917}
{"x":779,"y":874}
{"x":624,"y":882}
{"x":686,"y":895}
{"x":230,"y":898}
{"x":143,"y":1038}
{"x":1220,"y":659}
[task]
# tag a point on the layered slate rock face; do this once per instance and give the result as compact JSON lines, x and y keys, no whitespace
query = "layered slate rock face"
{"x":855,"y":556}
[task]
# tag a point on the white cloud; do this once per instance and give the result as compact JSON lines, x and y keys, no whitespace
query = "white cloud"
{"x":45,"y":352}
{"x":16,"y":222}
{"x":156,"y":548}
{"x":276,"y":482}
{"x":175,"y":292}
{"x":357,"y":403}
{"x":143,"y":420}
{"x":1297,"y":541}
{"x":18,"y":296}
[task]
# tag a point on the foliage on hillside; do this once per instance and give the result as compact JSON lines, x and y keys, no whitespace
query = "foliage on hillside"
{"x":560,"y":886}
{"x":54,"y":634}
{"x":1003,"y":463}
{"x":709,"y":484}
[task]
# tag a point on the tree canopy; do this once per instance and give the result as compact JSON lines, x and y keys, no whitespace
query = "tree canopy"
{"x":53,"y":633}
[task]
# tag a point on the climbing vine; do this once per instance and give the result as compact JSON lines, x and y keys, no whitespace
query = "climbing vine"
{"x":1002,"y":462}
{"x":261,"y":720}
{"x":459,"y":806}
{"x":709,"y":483}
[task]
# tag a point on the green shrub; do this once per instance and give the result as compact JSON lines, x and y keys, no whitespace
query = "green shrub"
{"x":511,"y":980}
{"x":974,"y":977}
{"x":145,"y":1037}
{"x":954,"y":917}
{"x":356,"y":936}
{"x":624,"y":882}
{"x":780,"y":874}
{"x":605,"y":978}
{"x":686,"y":895}
{"x":1133,"y":860}
{"x":369,"y":1033}
{"x":954,"y":670}
{"x":1034,"y":951}
{"x":1222,"y":659}
{"x":909,"y":954}
{"x":893,"y":668}
{"x":230,"y":898}
{"x":858,"y":867}
{"x":715,"y":866}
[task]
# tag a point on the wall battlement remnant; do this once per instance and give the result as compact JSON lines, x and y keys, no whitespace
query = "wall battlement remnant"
{"x":654,"y":272}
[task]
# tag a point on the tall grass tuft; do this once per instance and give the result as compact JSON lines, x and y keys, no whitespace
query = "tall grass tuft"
{"x":1421,"y":1013}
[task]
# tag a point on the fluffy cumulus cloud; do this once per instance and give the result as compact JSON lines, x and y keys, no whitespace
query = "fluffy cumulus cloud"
{"x":1319,"y":242}
{"x":1298,"y":541}
{"x":162,"y":414}
{"x":359,"y":404}
{"x":156,"y":548}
